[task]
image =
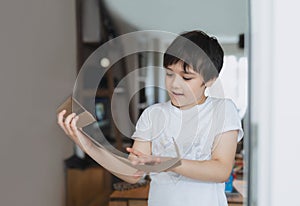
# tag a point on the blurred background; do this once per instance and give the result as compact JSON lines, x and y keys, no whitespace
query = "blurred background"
{"x":43,"y":45}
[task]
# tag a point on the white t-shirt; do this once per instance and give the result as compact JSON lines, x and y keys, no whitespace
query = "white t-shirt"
{"x":194,"y":130}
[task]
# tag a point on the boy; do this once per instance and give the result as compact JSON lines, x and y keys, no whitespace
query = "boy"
{"x":205,"y":129}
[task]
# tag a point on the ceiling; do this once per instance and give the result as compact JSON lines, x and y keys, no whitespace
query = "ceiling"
{"x":223,"y":19}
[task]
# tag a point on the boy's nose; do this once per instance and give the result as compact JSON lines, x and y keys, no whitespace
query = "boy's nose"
{"x":176,"y":83}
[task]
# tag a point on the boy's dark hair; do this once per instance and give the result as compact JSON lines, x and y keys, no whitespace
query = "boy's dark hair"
{"x":197,"y":50}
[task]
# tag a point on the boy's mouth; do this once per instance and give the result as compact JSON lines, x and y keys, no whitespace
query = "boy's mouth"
{"x":177,"y":94}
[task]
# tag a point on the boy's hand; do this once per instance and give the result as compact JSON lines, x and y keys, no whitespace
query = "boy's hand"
{"x":138,"y":158}
{"x":69,"y":126}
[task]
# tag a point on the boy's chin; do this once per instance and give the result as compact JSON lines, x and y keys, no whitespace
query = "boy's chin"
{"x":178,"y":104}
{"x":175,"y":104}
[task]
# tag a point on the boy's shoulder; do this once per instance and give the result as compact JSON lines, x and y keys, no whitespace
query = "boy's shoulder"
{"x":217,"y":101}
{"x":221,"y":100}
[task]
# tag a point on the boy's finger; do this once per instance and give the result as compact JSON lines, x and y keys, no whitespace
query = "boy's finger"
{"x":135,"y":152}
{"x":155,"y":159}
{"x":150,"y":160}
{"x":73,"y":124}
{"x":134,"y":162}
{"x":67,"y":123}
{"x":130,"y":150}
{"x":139,"y":174}
{"x":69,"y":118}
{"x":63,"y":127}
{"x":60,"y":117}
{"x":137,"y":161}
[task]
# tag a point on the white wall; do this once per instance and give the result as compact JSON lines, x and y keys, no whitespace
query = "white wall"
{"x":275,"y":101}
{"x":37,"y":66}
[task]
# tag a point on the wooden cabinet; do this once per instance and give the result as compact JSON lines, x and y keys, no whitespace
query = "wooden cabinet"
{"x":88,"y":187}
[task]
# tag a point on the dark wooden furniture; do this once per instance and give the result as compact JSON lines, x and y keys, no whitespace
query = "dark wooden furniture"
{"x":139,"y":197}
{"x":132,"y":197}
{"x":94,"y":28}
{"x":88,"y":187}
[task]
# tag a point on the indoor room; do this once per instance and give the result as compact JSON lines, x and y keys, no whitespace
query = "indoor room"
{"x":105,"y":60}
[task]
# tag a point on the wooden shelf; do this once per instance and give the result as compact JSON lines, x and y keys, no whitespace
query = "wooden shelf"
{"x":82,"y":184}
{"x":86,"y":48}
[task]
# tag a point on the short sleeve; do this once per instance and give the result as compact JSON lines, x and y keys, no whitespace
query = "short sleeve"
{"x":143,"y":129}
{"x":232,"y":119}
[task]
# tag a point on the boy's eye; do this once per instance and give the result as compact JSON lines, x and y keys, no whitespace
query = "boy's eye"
{"x":169,"y":74}
{"x":186,"y":78}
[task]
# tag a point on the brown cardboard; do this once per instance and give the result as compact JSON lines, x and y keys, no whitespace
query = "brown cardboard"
{"x":107,"y":159}
{"x":165,"y":164}
{"x":71,"y":105}
{"x":122,"y":164}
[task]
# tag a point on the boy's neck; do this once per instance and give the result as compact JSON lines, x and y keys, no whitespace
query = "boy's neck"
{"x":200,"y":101}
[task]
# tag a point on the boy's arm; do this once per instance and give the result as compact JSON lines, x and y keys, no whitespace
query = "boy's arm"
{"x":144,"y":146}
{"x":104,"y":158}
{"x":69,"y":126}
{"x":217,"y":169}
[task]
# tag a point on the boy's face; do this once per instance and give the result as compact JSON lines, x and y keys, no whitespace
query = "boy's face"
{"x":185,"y":89}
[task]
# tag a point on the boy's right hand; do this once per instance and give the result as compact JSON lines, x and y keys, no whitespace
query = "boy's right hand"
{"x":68,"y":124}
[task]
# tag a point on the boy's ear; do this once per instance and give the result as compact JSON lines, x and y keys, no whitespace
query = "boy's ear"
{"x":209,"y":83}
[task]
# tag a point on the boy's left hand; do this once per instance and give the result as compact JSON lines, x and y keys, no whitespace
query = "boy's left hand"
{"x":138,"y":158}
